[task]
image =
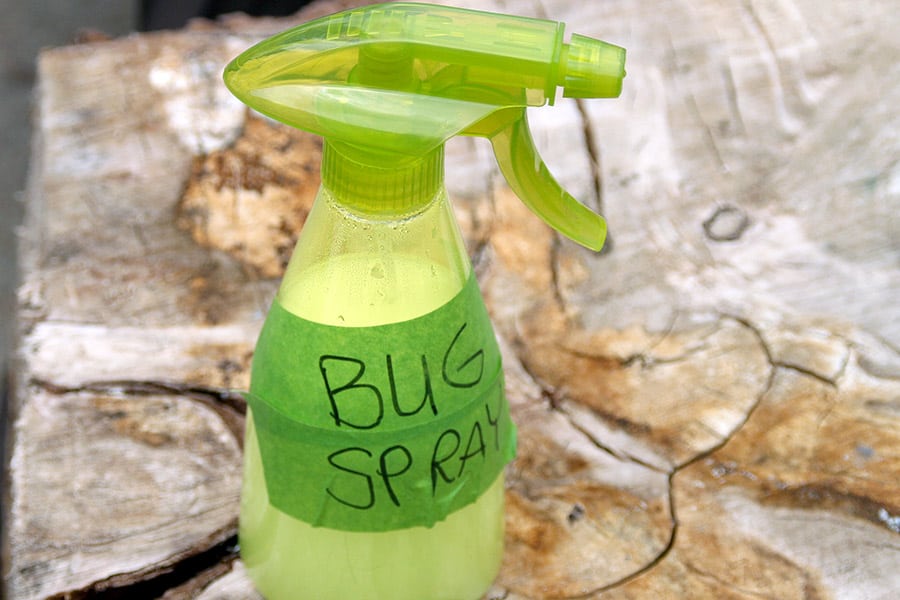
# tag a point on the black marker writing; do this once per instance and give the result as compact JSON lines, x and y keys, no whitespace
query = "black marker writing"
{"x":386,"y":475}
{"x":475,"y":360}
{"x":333,"y":392}
{"x":332,"y":459}
{"x":427,"y":396}
{"x":437,"y":462}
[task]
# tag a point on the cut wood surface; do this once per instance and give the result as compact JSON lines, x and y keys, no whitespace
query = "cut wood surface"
{"x":710,"y":408}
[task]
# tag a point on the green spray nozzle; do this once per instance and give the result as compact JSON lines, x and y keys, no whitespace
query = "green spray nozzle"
{"x":389,"y":84}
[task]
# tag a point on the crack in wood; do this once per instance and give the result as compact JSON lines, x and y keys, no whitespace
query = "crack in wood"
{"x":214,"y":555}
{"x":594,"y":159}
{"x":645,"y":360}
{"x":593,"y":152}
{"x":709,"y":136}
{"x":770,"y":381}
{"x":600,"y":445}
{"x":808,"y":373}
{"x":732,"y":95}
{"x":673,"y":507}
{"x":670,"y":490}
{"x":659,"y":558}
{"x":553,"y":401}
{"x":229,"y":405}
{"x":777,"y":74}
{"x":479,"y":255}
{"x":554,"y":272}
{"x":187,"y":572}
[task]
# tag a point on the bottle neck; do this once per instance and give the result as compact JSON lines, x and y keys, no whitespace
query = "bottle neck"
{"x":381,"y":185}
{"x":353,"y":268}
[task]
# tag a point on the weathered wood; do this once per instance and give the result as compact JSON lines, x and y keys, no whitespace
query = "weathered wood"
{"x":708,"y":409}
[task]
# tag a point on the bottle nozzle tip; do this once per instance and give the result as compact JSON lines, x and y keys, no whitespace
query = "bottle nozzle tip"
{"x":592,"y":69}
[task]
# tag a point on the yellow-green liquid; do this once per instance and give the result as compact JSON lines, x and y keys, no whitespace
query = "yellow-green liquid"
{"x":288,"y":559}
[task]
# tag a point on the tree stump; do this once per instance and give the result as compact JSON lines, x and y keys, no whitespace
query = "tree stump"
{"x":710,"y":408}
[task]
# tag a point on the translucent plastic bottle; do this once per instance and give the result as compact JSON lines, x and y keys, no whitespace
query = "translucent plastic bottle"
{"x":378,"y":427}
{"x":353,"y":268}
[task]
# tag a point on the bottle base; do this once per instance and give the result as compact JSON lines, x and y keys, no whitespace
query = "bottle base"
{"x":287,"y":559}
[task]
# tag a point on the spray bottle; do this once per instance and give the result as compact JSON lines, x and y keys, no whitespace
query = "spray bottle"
{"x":377,"y":427}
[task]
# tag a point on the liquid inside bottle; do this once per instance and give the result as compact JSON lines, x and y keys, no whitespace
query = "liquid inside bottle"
{"x":358,"y":270}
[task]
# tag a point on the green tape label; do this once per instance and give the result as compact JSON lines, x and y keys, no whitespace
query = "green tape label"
{"x":385,"y":427}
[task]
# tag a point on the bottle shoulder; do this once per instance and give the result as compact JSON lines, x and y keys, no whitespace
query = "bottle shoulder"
{"x":348,"y":270}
